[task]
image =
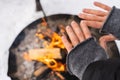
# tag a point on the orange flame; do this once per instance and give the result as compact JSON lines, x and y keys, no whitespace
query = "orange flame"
{"x":53,"y":64}
{"x":56,"y":42}
{"x":48,"y":60}
{"x":44,"y":23}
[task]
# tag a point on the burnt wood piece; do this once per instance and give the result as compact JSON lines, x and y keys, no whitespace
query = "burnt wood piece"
{"x":40,"y":71}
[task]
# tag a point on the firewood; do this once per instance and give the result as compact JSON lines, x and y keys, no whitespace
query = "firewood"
{"x":59,"y":75}
{"x":36,"y":54}
{"x":40,"y":71}
{"x":46,"y":32}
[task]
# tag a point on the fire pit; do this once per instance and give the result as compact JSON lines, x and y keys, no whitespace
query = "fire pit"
{"x":38,"y":52}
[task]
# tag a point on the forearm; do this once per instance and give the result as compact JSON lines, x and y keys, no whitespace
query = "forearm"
{"x":112,"y":23}
{"x":103,"y":70}
{"x":82,"y":55}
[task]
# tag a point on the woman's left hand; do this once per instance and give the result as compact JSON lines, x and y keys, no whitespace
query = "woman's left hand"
{"x":77,"y":34}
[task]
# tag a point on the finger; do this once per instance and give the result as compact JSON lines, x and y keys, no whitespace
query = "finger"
{"x":103,"y":45}
{"x":77,"y":31}
{"x":85,"y":30}
{"x":66,"y":43}
{"x":95,"y":12}
{"x":94,"y":24}
{"x":110,"y":37}
{"x":72,"y":36}
{"x":107,"y":38}
{"x":103,"y":6}
{"x":91,"y":17}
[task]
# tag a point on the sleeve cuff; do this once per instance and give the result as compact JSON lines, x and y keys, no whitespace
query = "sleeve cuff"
{"x":102,"y":69}
{"x":112,"y":23}
{"x":82,"y":55}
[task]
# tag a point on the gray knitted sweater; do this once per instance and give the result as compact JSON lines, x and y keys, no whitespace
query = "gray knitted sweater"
{"x":89,"y":51}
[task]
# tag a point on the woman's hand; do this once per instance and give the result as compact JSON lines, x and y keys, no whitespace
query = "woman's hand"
{"x":95,"y":18}
{"x":77,"y":34}
{"x":92,"y":18}
{"x":105,"y":39}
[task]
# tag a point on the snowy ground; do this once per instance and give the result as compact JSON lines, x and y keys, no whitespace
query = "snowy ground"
{"x":17,"y":14}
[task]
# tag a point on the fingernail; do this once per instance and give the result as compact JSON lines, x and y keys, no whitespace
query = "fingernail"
{"x":67,"y":27}
{"x":63,"y":37}
{"x":84,"y":10}
{"x":73,"y":22}
{"x":96,"y":3}
{"x":80,"y":14}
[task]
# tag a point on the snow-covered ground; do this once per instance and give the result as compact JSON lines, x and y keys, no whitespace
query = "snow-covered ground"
{"x":17,"y":14}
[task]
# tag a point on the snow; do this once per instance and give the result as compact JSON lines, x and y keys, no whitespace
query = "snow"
{"x":15,"y":15}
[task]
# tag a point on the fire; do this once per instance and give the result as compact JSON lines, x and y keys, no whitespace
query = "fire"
{"x":55,"y":42}
{"x":44,"y":23}
{"x":53,"y":64}
{"x":50,"y":62}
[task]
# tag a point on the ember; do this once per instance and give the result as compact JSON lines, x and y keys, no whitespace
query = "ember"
{"x":51,"y":49}
{"x":40,"y":54}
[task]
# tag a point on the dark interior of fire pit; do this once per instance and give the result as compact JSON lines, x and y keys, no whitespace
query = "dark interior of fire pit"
{"x":20,"y":69}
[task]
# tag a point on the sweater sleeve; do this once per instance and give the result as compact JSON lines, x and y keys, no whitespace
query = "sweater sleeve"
{"x":112,"y":23}
{"x":103,"y":70}
{"x":82,"y":55}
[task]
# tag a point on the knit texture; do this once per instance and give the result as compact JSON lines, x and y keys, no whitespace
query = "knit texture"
{"x":82,"y":55}
{"x":103,"y":70}
{"x":112,"y":23}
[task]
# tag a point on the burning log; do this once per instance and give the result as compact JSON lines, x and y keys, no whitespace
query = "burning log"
{"x":40,"y":71}
{"x":59,"y":75}
{"x":55,"y":39}
{"x":36,"y":54}
{"x":43,"y":69}
{"x":46,"y":56}
{"x":62,"y":28}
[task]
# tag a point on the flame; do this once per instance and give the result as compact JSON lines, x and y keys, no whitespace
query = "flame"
{"x":55,"y":42}
{"x":53,"y":64}
{"x":44,"y":23}
{"x":48,"y":60}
